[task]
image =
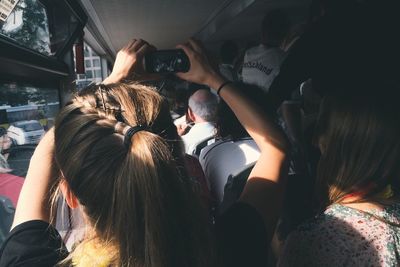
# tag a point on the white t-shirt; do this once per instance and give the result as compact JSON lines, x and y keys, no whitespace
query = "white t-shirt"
{"x":198,"y":133}
{"x":228,"y":72}
{"x":224,"y":158}
{"x":261,"y":65}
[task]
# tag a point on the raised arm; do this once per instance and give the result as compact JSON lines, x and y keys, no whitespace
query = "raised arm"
{"x":33,"y":202}
{"x":34,"y":199}
{"x":264,"y":188}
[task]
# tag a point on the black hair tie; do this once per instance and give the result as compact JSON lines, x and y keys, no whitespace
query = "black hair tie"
{"x":222,"y":86}
{"x":130,"y":132}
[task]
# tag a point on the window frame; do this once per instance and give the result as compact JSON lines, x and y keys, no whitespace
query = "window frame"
{"x":19,"y":62}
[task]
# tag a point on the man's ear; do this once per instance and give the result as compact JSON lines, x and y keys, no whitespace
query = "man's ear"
{"x":191,"y":114}
{"x":70,"y":198}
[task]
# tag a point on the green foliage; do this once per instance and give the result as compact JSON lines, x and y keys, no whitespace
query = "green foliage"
{"x":34,"y":32}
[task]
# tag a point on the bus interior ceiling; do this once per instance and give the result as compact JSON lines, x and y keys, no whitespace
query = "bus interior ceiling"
{"x":166,"y":23}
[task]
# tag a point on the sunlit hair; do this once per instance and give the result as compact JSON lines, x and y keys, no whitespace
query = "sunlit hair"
{"x":134,"y":104}
{"x":139,"y":203}
{"x":358,"y":136}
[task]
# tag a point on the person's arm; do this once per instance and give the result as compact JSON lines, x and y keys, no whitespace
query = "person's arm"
{"x":33,"y":202}
{"x":263,"y":189}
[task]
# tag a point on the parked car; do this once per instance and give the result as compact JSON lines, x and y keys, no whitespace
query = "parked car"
{"x":25,"y":132}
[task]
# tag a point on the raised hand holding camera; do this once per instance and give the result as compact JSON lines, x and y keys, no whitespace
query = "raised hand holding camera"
{"x":129,"y":62}
{"x":201,"y":70}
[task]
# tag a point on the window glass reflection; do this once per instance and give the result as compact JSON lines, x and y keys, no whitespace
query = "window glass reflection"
{"x":93,"y":69}
{"x":26,"y":113}
{"x":28,"y":25}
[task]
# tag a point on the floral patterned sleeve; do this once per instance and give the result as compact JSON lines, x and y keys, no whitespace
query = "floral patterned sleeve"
{"x":314,"y":245}
{"x":343,"y":236}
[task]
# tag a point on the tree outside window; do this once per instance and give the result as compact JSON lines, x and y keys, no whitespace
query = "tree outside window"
{"x":28,"y":25}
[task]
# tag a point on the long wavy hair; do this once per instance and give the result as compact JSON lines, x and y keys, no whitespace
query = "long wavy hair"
{"x":137,"y":199}
{"x":358,"y":135}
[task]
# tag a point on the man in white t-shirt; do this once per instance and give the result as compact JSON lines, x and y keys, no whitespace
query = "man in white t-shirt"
{"x":202,"y":111}
{"x":261,"y":64}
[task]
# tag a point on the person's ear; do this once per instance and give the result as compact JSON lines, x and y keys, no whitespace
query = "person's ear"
{"x":70,"y":198}
{"x":190,"y":114}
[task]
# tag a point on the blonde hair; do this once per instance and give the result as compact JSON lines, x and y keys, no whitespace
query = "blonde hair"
{"x":138,"y":200}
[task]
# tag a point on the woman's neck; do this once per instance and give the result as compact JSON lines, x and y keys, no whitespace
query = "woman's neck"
{"x":364,"y":206}
{"x":358,"y":199}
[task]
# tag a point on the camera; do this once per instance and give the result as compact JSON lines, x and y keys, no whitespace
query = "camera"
{"x":166,"y":61}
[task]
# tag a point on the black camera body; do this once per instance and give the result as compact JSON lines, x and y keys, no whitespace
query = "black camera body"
{"x":166,"y":61}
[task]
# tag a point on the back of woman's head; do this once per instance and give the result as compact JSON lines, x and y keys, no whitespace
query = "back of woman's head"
{"x":139,"y":203}
{"x":358,"y":135}
{"x":135,"y":104}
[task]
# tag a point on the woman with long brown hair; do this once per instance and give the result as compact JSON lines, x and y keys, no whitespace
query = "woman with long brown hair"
{"x":139,"y":207}
{"x":358,"y":176}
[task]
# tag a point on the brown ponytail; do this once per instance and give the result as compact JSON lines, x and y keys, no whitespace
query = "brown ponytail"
{"x":139,"y":204}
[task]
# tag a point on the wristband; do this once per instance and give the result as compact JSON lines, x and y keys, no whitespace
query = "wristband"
{"x":222,"y":86}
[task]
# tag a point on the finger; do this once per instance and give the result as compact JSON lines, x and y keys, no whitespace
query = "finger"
{"x":188,"y":45}
{"x":195,"y":45}
{"x":130,"y":44}
{"x":140,"y":56}
{"x":181,"y":75}
{"x":137,"y":45}
{"x":143,"y":49}
{"x":188,"y":51}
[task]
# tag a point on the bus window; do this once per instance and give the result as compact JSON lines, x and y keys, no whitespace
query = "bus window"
{"x":28,"y":26}
{"x":93,"y":69}
{"x":26,"y":112}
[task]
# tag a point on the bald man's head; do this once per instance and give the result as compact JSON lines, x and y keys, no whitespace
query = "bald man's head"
{"x":204,"y":105}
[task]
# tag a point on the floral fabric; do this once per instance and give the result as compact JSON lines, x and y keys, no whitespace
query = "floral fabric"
{"x":343,"y":236}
